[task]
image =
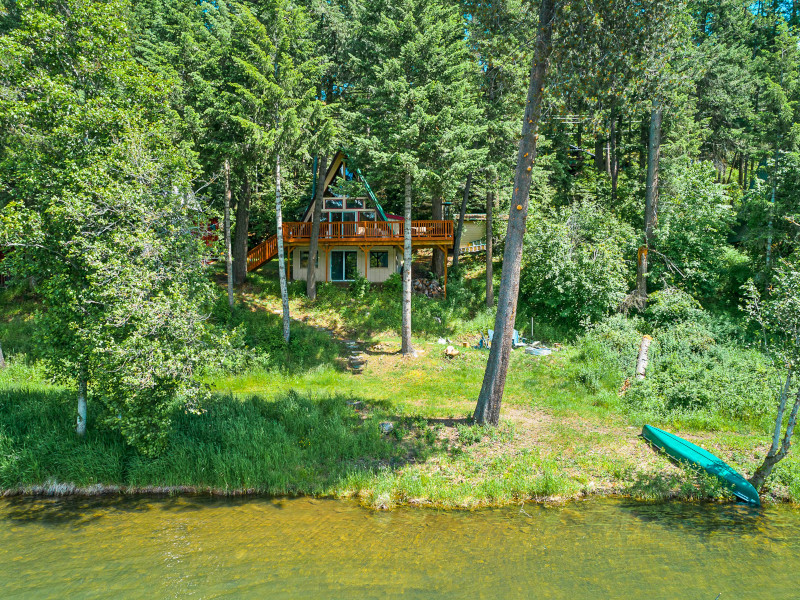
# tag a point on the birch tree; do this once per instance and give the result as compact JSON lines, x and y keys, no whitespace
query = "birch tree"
{"x":778,"y":315}
{"x":409,"y":112}
{"x":98,"y":205}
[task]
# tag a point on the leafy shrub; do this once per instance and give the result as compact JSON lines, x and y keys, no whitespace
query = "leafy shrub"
{"x":692,"y":376}
{"x":394,"y":283}
{"x":694,"y":222}
{"x":672,"y":305}
{"x":574,"y":263}
{"x":359,"y":287}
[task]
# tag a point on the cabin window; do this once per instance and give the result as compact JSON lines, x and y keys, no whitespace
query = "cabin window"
{"x":348,"y":216}
{"x":304,"y":259}
{"x":367,"y":215}
{"x":379,"y":259}
{"x":334,"y":203}
{"x":336,"y":217}
{"x":344,"y":265}
{"x":355,"y":203}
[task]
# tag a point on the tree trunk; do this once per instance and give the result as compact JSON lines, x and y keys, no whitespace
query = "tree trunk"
{"x":612,"y":153}
{"x":461,"y":213}
{"x":405,"y":333}
{"x":771,"y":212}
{"x":437,"y":262}
{"x":599,"y":152}
{"x":741,"y":170}
{"x":775,"y":455}
{"x":730,"y":170}
{"x":81,"y":425}
{"x":281,"y":262}
{"x":240,"y":234}
{"x":227,"y":225}
{"x":746,"y":178}
{"x":2,"y":359}
{"x":489,"y":251}
{"x":650,"y":200}
{"x":487,"y":409}
{"x":311,"y":277}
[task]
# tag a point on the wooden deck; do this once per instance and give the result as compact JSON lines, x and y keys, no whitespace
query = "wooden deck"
{"x":364,"y":234}
{"x":389,"y":233}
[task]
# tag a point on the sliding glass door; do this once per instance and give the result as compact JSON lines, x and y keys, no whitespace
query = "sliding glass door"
{"x":344,"y":265}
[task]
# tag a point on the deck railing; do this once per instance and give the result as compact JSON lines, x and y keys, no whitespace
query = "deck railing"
{"x":370,"y":231}
{"x":262,"y":253}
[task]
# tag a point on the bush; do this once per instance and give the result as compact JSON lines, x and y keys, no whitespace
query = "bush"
{"x":394,"y":284}
{"x":694,"y":222}
{"x":574,"y":266}
{"x":670,"y":306}
{"x":359,"y":287}
{"x":693,"y":375}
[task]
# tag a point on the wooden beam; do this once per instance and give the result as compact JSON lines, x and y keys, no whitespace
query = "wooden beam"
{"x":444,"y":249}
{"x":365,"y":250}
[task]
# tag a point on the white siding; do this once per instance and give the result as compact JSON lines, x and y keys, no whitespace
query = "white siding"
{"x":472,"y":232}
{"x":375,"y":275}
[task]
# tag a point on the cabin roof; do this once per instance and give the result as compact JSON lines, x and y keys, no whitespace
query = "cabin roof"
{"x":338,"y":167}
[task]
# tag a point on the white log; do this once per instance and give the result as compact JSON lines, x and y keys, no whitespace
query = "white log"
{"x":641,"y":362}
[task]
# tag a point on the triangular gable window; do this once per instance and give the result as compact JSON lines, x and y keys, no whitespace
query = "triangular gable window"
{"x":347,"y":196}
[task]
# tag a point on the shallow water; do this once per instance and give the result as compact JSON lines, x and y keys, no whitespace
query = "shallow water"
{"x":192,"y":547}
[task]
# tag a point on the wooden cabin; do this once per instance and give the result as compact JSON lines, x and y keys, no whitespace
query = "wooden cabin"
{"x":356,"y":237}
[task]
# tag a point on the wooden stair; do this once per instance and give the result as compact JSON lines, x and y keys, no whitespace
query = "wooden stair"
{"x":264,"y":252}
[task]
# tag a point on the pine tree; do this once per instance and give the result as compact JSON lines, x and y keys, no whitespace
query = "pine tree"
{"x":410,"y":112}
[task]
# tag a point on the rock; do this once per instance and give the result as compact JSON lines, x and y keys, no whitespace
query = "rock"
{"x":450,"y":352}
{"x":441,"y":341}
{"x":386,"y":427}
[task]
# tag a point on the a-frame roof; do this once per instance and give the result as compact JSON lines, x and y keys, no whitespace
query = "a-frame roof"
{"x":338,"y":168}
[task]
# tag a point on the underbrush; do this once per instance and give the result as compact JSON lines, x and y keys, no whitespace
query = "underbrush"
{"x":17,"y":310}
{"x":293,"y":445}
{"x":700,"y":374}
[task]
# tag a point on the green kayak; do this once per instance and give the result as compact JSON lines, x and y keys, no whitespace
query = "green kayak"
{"x":684,"y":451}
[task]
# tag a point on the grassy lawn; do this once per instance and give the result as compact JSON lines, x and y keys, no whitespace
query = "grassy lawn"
{"x":300,"y":422}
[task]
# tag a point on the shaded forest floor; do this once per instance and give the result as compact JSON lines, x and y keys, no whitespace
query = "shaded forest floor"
{"x":302,"y":422}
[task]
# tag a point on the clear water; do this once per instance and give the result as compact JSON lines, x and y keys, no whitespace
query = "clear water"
{"x":304,"y":548}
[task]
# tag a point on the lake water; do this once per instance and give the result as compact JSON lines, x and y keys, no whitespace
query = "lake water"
{"x":195,"y":547}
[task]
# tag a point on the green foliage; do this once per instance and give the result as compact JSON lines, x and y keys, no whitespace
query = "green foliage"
{"x":670,"y":306}
{"x":359,"y":287}
{"x":573,"y":267}
{"x":99,"y":208}
{"x":394,"y":283}
{"x":695,"y":220}
{"x":411,"y":110}
{"x":470,"y":434}
{"x":778,"y":312}
{"x":694,"y":375}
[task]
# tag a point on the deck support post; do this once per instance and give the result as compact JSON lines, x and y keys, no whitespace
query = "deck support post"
{"x":365,"y":250}
{"x":444,"y":249}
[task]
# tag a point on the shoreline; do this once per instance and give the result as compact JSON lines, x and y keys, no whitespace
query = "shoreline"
{"x":67,"y":490}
